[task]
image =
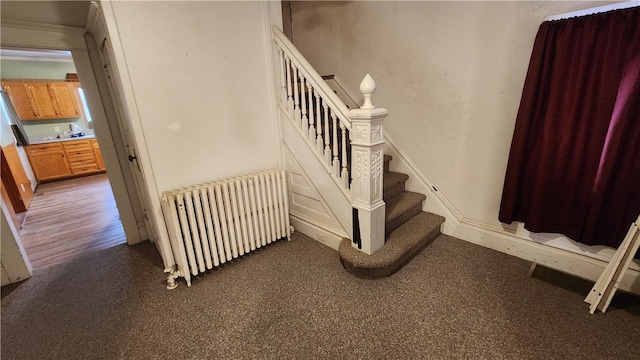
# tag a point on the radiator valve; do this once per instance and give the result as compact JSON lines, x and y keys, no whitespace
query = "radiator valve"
{"x":171,"y":278}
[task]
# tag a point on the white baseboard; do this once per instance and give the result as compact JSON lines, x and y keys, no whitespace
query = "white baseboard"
{"x":323,"y":235}
{"x":582,"y":266}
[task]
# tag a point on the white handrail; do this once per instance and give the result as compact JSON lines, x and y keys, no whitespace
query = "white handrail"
{"x":312,"y":76}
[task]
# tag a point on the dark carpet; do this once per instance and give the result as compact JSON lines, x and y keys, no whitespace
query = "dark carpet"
{"x":293,"y":300}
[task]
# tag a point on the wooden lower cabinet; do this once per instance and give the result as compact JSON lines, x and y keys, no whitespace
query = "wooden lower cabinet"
{"x":98,"y":154}
{"x":64,"y":159}
{"x":49,"y":161}
{"x":81,"y":158}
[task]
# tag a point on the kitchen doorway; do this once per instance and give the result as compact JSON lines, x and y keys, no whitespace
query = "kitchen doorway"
{"x":69,"y":217}
{"x":80,"y":27}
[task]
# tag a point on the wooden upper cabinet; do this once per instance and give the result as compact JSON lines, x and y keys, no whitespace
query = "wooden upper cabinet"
{"x":65,"y":99}
{"x":42,"y":100}
{"x":22,"y":100}
{"x":45,"y":102}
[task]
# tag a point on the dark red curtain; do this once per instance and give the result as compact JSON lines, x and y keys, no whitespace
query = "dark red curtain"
{"x":574,"y":165}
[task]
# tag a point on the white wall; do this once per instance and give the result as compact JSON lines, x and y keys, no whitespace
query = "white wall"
{"x":200,"y":75}
{"x":450,"y":74}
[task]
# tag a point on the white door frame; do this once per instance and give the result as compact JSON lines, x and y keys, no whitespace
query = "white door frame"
{"x":19,"y":34}
{"x":103,"y":26}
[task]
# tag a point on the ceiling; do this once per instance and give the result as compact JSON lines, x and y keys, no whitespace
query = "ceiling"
{"x":68,"y":13}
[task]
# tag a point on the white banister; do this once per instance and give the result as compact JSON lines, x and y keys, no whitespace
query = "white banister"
{"x":312,"y":76}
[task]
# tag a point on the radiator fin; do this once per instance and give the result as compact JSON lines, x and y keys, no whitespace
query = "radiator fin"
{"x":212,"y":223}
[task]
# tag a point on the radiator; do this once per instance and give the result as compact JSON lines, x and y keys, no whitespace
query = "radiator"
{"x":212,"y":223}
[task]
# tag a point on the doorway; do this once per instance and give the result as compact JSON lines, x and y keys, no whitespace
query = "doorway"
{"x":25,"y":26}
{"x":70,"y":217}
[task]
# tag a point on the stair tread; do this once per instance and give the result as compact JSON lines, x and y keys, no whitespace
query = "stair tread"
{"x":403,"y":244}
{"x":387,"y":158}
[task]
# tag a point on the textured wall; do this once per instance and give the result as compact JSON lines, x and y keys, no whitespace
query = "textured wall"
{"x":200,"y":75}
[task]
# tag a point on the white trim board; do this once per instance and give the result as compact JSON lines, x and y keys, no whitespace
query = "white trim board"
{"x":316,"y":231}
{"x":582,"y":266}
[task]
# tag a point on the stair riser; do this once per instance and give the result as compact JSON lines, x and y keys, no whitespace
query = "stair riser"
{"x":392,"y":224}
{"x":392,"y":191}
{"x":387,"y":160}
{"x":376,"y":272}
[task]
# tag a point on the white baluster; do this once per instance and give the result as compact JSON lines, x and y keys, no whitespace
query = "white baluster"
{"x":296,"y":101}
{"x":312,"y":130}
{"x":283,"y":80}
{"x":289,"y":92}
{"x":303,"y":86}
{"x":318,"y":137}
{"x":344,"y":174}
{"x":327,"y":137}
{"x":336,"y":162}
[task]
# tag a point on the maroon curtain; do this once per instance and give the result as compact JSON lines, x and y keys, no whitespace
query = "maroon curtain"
{"x":574,"y":165}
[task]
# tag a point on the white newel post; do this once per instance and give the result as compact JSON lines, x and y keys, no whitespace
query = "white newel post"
{"x":367,"y":168}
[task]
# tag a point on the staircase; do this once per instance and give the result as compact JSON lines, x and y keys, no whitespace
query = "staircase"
{"x":408,"y":231}
{"x":350,"y":190}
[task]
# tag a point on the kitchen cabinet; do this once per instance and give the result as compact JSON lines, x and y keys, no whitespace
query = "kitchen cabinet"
{"x":81,"y":157}
{"x":65,"y":159}
{"x":42,"y":100}
{"x":65,"y":99}
{"x":98,"y":155}
{"x":49,"y":161}
{"x":21,"y":99}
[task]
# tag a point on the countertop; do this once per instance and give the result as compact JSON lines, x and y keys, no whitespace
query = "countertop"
{"x":35,"y":140}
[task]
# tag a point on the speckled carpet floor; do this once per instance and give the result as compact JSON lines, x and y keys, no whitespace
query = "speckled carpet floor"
{"x":293,"y":300}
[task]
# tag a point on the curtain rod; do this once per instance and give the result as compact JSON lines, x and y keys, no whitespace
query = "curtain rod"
{"x":594,"y":10}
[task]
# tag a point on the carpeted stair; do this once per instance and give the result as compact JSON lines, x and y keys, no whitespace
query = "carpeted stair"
{"x":408,"y":231}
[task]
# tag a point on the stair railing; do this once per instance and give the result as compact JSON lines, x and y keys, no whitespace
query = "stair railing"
{"x":348,"y":142}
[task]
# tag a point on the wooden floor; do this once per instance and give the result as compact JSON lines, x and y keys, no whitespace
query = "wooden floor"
{"x":69,"y":218}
